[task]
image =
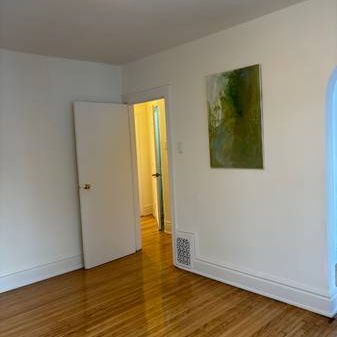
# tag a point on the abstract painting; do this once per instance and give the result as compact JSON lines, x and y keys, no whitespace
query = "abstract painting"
{"x":235,"y":118}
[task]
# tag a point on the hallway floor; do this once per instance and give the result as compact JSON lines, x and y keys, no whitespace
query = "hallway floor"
{"x":144,"y":295}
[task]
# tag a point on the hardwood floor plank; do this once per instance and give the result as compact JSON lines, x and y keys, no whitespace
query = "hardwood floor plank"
{"x":144,"y":295}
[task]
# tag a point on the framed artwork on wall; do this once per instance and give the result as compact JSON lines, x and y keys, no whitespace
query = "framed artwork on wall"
{"x":234,"y":106}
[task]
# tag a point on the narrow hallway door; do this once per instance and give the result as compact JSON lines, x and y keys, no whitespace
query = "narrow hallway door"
{"x":158,"y":174}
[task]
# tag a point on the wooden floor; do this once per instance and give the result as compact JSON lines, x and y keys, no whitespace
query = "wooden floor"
{"x":144,"y":295}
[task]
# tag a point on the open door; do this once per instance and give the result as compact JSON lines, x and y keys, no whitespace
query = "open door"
{"x":158,"y":169}
{"x":105,"y":176}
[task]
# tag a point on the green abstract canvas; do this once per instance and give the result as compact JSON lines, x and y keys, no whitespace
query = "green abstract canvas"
{"x":234,"y":118}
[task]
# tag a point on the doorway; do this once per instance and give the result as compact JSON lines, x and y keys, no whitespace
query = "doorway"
{"x":152,"y":163}
{"x":107,"y":176}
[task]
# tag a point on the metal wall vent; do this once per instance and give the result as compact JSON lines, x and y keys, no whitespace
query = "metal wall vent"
{"x":184,"y":252}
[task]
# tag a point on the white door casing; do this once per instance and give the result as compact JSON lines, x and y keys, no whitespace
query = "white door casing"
{"x":151,"y":95}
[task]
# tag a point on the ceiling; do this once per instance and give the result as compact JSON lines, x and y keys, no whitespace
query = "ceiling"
{"x":119,"y":31}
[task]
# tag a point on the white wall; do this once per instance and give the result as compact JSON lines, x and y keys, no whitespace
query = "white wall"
{"x":39,"y":210}
{"x":262,"y":230}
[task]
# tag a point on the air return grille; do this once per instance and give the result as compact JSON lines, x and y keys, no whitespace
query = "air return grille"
{"x":184,"y":253}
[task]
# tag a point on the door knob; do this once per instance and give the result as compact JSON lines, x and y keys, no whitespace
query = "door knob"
{"x":85,"y":187}
{"x":156,"y":175}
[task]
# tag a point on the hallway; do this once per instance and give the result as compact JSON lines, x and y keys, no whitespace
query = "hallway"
{"x":144,"y":295}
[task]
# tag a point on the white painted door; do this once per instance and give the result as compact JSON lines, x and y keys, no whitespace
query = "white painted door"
{"x":105,"y":176}
{"x":155,"y":195}
{"x":157,"y":174}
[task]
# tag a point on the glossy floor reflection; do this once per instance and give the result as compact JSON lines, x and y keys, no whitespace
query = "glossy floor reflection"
{"x":144,"y":295}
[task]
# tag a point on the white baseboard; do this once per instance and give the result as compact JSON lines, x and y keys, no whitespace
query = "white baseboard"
{"x":298,"y":296}
{"x":39,"y":273}
{"x":333,"y":306}
{"x":168,"y":227}
{"x":147,"y":210}
{"x":317,"y":303}
{"x":314,"y":300}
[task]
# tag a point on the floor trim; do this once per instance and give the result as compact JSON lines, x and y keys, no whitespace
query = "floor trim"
{"x":300,"y":295}
{"x":39,"y":273}
{"x":317,"y":303}
{"x":147,"y":210}
{"x":168,"y":227}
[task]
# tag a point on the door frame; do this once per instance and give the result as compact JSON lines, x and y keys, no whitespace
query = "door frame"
{"x":142,"y":97}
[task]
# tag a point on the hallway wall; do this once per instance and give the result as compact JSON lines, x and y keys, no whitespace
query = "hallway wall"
{"x":144,"y":141}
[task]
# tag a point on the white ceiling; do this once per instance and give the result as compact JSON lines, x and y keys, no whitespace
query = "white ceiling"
{"x":119,"y":31}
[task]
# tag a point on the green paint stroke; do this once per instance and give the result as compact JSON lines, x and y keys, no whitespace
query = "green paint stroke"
{"x":234,"y":118}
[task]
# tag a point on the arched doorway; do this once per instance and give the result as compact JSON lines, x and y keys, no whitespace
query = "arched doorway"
{"x":331,"y":155}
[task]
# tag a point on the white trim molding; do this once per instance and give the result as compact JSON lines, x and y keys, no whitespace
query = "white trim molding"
{"x":168,"y":227}
{"x":39,"y":273}
{"x":147,"y":210}
{"x":315,"y":300}
{"x":331,"y":180}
